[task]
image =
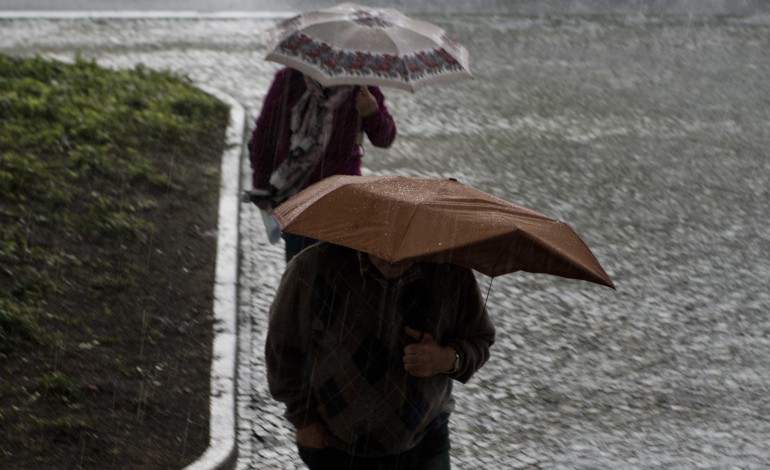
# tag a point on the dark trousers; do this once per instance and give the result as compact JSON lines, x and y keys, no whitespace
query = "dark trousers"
{"x":295,"y":244}
{"x":432,"y":453}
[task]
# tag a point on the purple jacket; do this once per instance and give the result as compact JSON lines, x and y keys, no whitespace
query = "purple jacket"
{"x":271,"y":137}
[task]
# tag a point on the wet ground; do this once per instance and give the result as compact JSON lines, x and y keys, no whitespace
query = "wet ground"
{"x":648,"y":135}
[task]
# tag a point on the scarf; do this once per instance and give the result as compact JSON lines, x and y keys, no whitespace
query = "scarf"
{"x":311,"y":126}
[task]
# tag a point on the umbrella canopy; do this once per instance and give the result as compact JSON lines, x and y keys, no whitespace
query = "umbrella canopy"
{"x":351,"y":44}
{"x":401,"y":218}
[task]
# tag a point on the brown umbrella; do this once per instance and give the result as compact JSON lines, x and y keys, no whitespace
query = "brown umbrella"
{"x":439,"y":220}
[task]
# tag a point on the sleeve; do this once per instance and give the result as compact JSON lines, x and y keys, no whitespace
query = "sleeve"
{"x":474,"y":332}
{"x":264,"y":143}
{"x":288,"y":347}
{"x":379,"y":126}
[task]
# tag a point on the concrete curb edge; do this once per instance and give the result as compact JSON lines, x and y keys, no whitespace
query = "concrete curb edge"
{"x":142,"y":15}
{"x":223,"y":450}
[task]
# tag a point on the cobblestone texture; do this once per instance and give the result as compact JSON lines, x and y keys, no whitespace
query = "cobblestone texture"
{"x":648,"y":135}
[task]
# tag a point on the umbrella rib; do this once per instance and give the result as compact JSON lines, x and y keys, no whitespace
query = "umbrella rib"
{"x":403,"y":72}
{"x":567,"y":257}
{"x":406,"y":230}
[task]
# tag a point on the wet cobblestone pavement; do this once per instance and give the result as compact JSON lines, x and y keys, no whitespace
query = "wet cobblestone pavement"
{"x":650,"y":136}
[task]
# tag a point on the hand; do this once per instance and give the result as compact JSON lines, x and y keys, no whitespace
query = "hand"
{"x":426,"y":358}
{"x":314,"y":435}
{"x":366,"y":103}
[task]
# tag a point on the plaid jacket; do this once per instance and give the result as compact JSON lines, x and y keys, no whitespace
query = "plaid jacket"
{"x":336,"y":338}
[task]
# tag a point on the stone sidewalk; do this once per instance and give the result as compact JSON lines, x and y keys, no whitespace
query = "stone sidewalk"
{"x":648,"y":134}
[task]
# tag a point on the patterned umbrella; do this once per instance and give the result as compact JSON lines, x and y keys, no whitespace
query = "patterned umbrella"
{"x":399,"y":218}
{"x":351,"y":44}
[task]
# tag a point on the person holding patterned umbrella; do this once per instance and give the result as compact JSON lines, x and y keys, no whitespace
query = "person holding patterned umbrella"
{"x":317,"y":111}
{"x":306,"y":132}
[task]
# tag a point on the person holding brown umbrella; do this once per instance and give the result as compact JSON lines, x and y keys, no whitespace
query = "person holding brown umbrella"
{"x":369,"y":327}
{"x":363,"y":353}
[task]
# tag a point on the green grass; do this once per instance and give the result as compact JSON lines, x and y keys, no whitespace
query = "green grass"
{"x":104,"y":175}
{"x":73,"y":140}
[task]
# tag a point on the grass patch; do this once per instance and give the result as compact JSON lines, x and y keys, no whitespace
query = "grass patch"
{"x":108,"y":187}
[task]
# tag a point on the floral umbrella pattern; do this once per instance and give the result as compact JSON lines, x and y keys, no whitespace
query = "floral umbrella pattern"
{"x":351,"y":44}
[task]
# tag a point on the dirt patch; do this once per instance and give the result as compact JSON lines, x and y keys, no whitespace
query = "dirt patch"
{"x":106,"y":267}
{"x":124,"y":382}
{"x":118,"y":376}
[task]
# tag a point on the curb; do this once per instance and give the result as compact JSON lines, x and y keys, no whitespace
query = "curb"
{"x":141,"y":14}
{"x":223,"y":450}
